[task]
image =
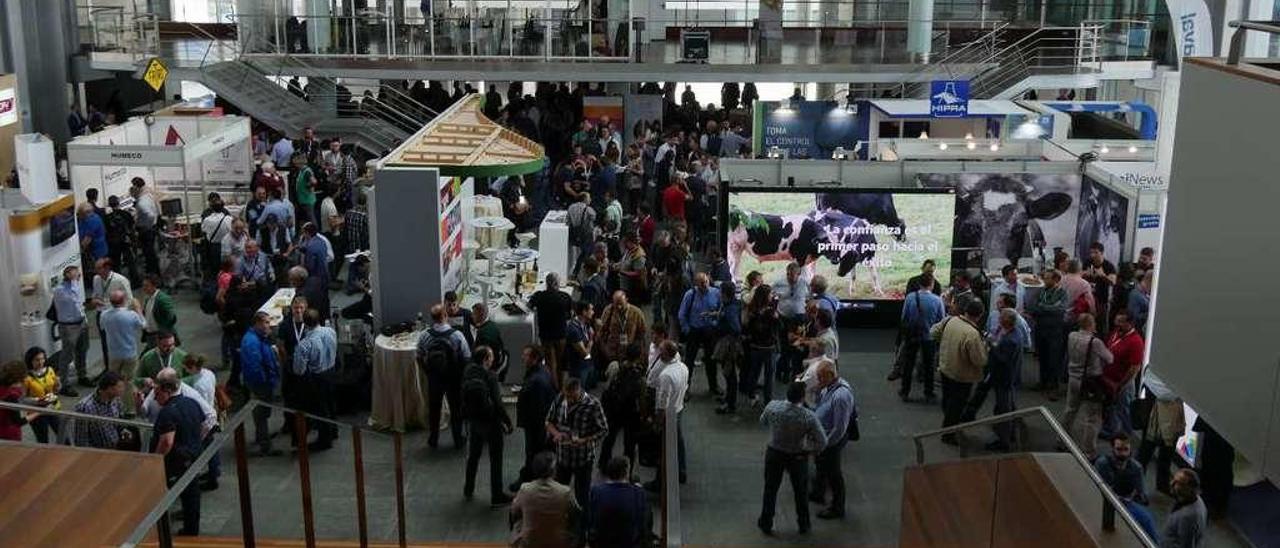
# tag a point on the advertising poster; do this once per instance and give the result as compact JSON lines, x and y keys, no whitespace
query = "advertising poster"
{"x":450,"y":190}
{"x":807,"y":129}
{"x":867,"y":244}
{"x":641,"y":112}
{"x":8,"y":107}
{"x":1104,"y":217}
{"x":1010,"y":218}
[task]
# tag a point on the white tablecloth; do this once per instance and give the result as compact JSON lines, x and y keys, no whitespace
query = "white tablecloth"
{"x":553,"y":245}
{"x":277,"y":305}
{"x":399,"y":386}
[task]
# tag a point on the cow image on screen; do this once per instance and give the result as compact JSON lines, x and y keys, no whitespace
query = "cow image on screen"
{"x":998,"y":216}
{"x":876,"y":208}
{"x":842,"y":239}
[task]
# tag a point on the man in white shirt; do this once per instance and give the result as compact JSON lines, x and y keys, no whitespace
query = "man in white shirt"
{"x":792,"y":293}
{"x":200,"y":378}
{"x":233,"y":243}
{"x":147,"y":214}
{"x":105,"y":282}
{"x":673,"y":383}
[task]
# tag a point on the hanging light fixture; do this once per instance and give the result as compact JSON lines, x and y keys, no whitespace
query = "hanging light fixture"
{"x":924,"y":135}
{"x":968,"y":136}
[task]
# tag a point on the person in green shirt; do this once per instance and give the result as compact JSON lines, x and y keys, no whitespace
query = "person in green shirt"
{"x":487,"y":334}
{"x":304,"y":188}
{"x":157,"y":309}
{"x":165,"y":354}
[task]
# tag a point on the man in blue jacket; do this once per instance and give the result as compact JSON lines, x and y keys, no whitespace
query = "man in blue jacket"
{"x":921,"y":309}
{"x":260,"y":372}
{"x":699,"y":310}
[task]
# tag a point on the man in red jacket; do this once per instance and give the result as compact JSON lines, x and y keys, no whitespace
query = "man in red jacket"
{"x":1127,"y":346}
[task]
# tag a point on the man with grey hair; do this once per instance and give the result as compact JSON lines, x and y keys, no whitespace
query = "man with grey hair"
{"x":552,"y":309}
{"x":1002,"y":364}
{"x":121,"y":326}
{"x":313,"y":288}
{"x":835,"y":407}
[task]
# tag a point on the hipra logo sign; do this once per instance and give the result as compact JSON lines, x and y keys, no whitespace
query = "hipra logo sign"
{"x":949,"y":99}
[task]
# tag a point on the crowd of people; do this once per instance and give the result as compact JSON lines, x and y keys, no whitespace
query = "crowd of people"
{"x":649,"y":301}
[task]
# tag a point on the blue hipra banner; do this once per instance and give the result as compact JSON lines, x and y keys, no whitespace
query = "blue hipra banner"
{"x":810,"y":129}
{"x":949,"y":98}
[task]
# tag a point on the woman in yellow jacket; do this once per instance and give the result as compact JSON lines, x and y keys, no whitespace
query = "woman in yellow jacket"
{"x":42,"y":386}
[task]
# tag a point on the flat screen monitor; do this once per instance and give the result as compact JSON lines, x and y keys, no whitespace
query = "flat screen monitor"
{"x":866,"y":243}
{"x":62,"y":226}
{"x":171,"y":207}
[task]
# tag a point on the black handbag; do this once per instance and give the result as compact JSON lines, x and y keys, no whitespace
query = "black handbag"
{"x":1092,"y":387}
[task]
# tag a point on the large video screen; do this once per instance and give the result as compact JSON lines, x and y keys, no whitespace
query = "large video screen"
{"x":867,"y":244}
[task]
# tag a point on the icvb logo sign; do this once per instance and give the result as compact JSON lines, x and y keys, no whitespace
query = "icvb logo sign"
{"x":949,"y":99}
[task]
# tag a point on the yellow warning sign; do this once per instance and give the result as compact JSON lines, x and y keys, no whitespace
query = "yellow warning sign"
{"x":156,"y":74}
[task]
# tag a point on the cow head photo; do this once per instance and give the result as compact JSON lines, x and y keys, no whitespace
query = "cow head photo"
{"x":1004,"y":215}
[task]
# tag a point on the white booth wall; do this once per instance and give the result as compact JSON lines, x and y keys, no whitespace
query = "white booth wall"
{"x":1214,"y":334}
{"x":195,"y":154}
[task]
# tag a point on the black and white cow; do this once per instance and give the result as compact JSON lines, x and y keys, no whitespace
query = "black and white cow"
{"x":843,"y":239}
{"x":1102,"y":220}
{"x":849,"y":241}
{"x":769,"y":237}
{"x":876,"y":208}
{"x":998,"y":215}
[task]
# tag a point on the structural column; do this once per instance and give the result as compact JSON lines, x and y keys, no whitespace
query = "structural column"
{"x":920,"y":29}
{"x":36,"y":36}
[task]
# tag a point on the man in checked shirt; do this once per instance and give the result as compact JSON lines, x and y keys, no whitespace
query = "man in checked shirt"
{"x":576,"y":425}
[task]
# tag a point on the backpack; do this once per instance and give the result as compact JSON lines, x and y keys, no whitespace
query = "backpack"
{"x":440,"y":356}
{"x":209,"y":297}
{"x":622,"y":398}
{"x":852,"y":432}
{"x":476,"y":403}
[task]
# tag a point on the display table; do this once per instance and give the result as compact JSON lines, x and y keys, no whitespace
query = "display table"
{"x":399,"y":386}
{"x":553,"y":245}
{"x":277,"y":305}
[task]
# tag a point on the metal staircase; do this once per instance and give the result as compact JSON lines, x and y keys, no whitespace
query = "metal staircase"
{"x":260,"y":92}
{"x":1005,"y":66}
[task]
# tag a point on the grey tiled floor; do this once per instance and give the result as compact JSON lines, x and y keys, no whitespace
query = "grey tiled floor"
{"x":719,"y":504}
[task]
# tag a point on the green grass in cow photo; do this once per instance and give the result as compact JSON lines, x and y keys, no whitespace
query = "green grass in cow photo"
{"x":929,"y":220}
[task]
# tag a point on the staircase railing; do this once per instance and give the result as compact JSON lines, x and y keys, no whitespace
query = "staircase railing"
{"x":68,"y":426}
{"x":233,"y":431}
{"x":977,"y":51}
{"x":1071,"y":50}
{"x":1060,"y":442}
{"x":1061,"y":50}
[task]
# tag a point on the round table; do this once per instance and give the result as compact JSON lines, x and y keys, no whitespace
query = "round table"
{"x":399,"y":386}
{"x":491,"y":231}
{"x":517,"y":257}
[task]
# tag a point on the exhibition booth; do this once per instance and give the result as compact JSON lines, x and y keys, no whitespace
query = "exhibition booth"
{"x":431,"y":233}
{"x":868,"y":226}
{"x":38,"y":231}
{"x":182,"y":159}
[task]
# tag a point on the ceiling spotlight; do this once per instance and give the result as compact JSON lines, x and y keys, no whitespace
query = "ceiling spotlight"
{"x":1133,"y":149}
{"x":995,"y":147}
{"x":968,"y":136}
{"x":942,"y":146}
{"x":1105,"y":149}
{"x":971,"y":145}
{"x":924,"y":135}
